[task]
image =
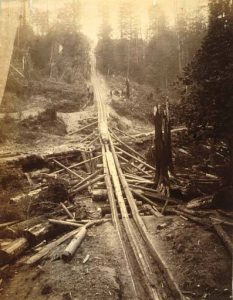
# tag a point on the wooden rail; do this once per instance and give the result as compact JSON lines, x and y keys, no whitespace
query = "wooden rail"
{"x":139,"y":239}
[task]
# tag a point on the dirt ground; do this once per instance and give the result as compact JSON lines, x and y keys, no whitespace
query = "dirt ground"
{"x":103,"y":276}
{"x":196,"y":257}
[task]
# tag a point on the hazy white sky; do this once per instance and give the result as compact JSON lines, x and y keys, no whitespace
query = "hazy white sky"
{"x":90,"y":15}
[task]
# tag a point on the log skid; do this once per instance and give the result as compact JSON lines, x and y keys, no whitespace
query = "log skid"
{"x":120,"y":184}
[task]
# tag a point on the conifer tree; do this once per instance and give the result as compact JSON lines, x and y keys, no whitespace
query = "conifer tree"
{"x":209,"y":79}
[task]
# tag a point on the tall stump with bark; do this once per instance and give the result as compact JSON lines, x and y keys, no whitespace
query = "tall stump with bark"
{"x":163,"y":158}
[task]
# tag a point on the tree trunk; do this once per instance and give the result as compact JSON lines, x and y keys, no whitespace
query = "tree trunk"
{"x":161,"y":161}
{"x":158,"y":145}
{"x":230,"y":147}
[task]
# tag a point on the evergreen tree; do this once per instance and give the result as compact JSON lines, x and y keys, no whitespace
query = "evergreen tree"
{"x":104,"y":50}
{"x":208,"y":80}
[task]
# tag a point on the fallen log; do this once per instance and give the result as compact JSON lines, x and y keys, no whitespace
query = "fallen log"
{"x":79,"y":189}
{"x":87,"y":137}
{"x":63,"y":154}
{"x":99,"y":195}
{"x":93,"y":175}
{"x":136,"y":177}
{"x":22,"y":197}
{"x":93,"y":141}
{"x":154,"y":211}
{"x":135,"y":158}
{"x":125,"y":133}
{"x":13,"y":250}
{"x":38,"y":233}
{"x":126,"y":146}
{"x":49,"y":247}
{"x":200,"y":202}
{"x":69,"y":214}
{"x":199,"y":221}
{"x":194,"y":212}
{"x":141,"y":196}
{"x":220,"y":221}
{"x":70,"y":250}
{"x":84,"y":156}
{"x":78,"y":164}
{"x":133,"y":165}
{"x":4,"y":225}
{"x":134,"y":181}
{"x":68,"y":253}
{"x":224,"y":237}
{"x":85,"y":127}
{"x":67,"y":169}
{"x":65,"y":223}
{"x":148,"y":192}
{"x":16,"y":230}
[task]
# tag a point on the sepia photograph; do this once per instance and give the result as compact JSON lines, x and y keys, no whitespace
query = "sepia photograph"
{"x":116,"y":149}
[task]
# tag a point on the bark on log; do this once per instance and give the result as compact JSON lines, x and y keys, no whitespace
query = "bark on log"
{"x":74,"y":244}
{"x":87,"y":137}
{"x":81,"y":188}
{"x":68,"y":170}
{"x":125,"y":133}
{"x":200,"y":202}
{"x":141,"y":196}
{"x":65,"y":223}
{"x":148,"y":192}
{"x":84,"y":156}
{"x":69,"y":214}
{"x":39,"y":232}
{"x":43,"y":252}
{"x":224,"y":237}
{"x":77,"y":240}
{"x":199,"y":221}
{"x":16,"y":230}
{"x":4,"y":225}
{"x":126,"y":146}
{"x":99,"y":195}
{"x":85,"y":127}
{"x":135,"y":158}
{"x":78,"y":164}
{"x":155,"y":212}
{"x":13,"y":250}
{"x":133,"y":165}
{"x":87,"y":179}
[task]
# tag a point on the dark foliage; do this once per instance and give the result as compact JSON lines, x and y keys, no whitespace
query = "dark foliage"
{"x":207,"y":97}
